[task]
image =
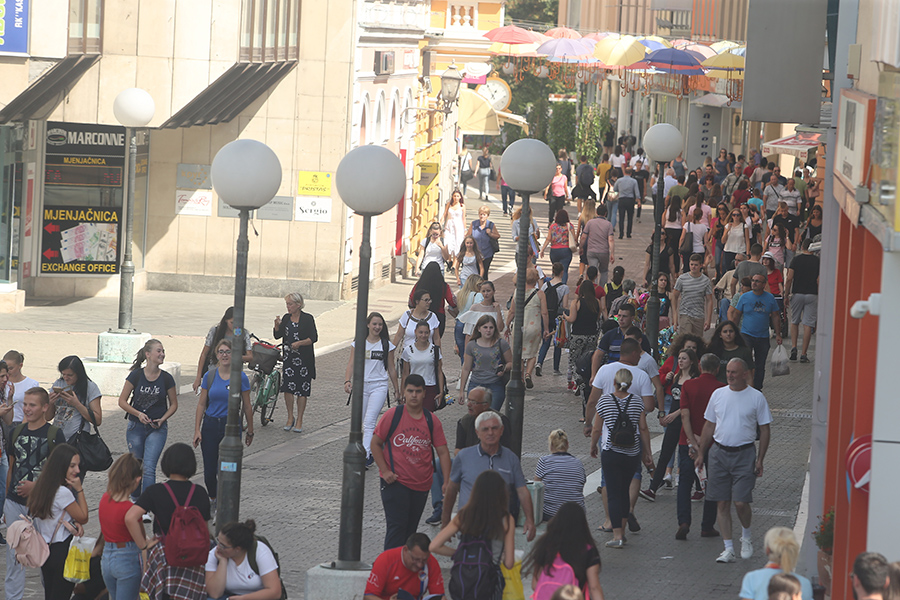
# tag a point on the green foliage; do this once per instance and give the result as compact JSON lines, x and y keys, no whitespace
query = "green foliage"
{"x":535,"y":11}
{"x":592,"y":127}
{"x":562,"y":126}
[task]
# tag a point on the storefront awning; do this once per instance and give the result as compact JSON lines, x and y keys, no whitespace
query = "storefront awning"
{"x":797,"y":145}
{"x":50,"y":87}
{"x":477,"y":117}
{"x":510,"y":118}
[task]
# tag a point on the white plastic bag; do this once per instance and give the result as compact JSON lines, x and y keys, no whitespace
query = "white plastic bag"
{"x":780,"y":364}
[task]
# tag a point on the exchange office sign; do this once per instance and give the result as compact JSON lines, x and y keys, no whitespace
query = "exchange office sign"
{"x":80,"y":240}
{"x":84,"y":155}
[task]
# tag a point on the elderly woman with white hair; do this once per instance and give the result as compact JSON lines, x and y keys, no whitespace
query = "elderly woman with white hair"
{"x":298,"y":330}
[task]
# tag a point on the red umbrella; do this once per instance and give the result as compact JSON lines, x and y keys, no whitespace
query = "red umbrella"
{"x":563,"y":33}
{"x":510,"y":34}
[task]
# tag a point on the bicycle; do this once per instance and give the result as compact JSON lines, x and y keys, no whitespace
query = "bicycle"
{"x":265,"y":384}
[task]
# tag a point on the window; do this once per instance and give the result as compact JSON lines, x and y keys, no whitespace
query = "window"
{"x":269,"y":31}
{"x":85,"y":30}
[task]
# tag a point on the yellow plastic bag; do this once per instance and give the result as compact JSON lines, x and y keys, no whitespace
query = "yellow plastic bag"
{"x":78,"y":562}
{"x":513,"y":589}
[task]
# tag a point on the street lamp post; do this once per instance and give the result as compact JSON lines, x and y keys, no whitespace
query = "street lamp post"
{"x":132,"y":108}
{"x":246,"y":174}
{"x":528,"y":167}
{"x":371,"y":180}
{"x":663,"y":143}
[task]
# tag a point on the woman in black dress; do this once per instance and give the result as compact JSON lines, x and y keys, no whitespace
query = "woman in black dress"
{"x":298,"y":330}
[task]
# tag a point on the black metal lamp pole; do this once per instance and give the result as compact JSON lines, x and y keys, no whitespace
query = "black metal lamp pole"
{"x":653,"y":302}
{"x":515,"y":390}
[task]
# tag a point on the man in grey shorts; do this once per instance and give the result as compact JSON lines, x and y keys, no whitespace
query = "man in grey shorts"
{"x":597,"y":239}
{"x":732,"y":416}
{"x":802,"y":279}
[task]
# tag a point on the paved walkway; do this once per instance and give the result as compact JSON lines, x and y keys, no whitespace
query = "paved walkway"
{"x":291,"y":482}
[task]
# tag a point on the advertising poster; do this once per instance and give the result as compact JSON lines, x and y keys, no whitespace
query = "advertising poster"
{"x":80,"y":240}
{"x":314,"y":183}
{"x":14,"y":27}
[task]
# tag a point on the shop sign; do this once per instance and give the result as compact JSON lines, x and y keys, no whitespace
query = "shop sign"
{"x":193,"y":177}
{"x":80,"y":240}
{"x":194,"y":202}
{"x":313,"y":208}
{"x":314,"y":183}
{"x":14,"y":27}
{"x":279,"y":208}
{"x":85,"y":155}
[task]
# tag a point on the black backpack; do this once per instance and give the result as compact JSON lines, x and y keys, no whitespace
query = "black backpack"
{"x":395,"y":422}
{"x":474,"y":575}
{"x":623,"y":431}
{"x":251,"y":560}
{"x":552,"y":301}
{"x":586,"y":178}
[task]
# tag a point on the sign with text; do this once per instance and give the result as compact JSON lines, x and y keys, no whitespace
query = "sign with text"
{"x":279,"y":208}
{"x":314,"y":183}
{"x":193,"y":177}
{"x":224,"y":210}
{"x":84,"y":155}
{"x":14,"y":27}
{"x":313,"y":208}
{"x":80,"y":240}
{"x":193,"y":202}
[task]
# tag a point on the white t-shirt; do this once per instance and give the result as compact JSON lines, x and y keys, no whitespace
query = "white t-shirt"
{"x":64,"y":497}
{"x":698,"y":231}
{"x":736,"y":415}
{"x":408,"y":323}
{"x":617,"y":161}
{"x":240,"y":579}
{"x":606,"y":379}
{"x":648,"y":366}
{"x":432,"y":254}
{"x":421,"y":362}
{"x":375,"y":370}
{"x":19,"y":397}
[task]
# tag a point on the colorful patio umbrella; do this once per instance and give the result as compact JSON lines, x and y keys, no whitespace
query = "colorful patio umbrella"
{"x":670,"y":60}
{"x":510,"y":34}
{"x":725,"y":66}
{"x":704,"y":51}
{"x":563,"y":48}
{"x":654,"y":42}
{"x":723,"y":45}
{"x":740,"y":50}
{"x":599,"y":35}
{"x":563,"y":33}
{"x":626,"y":51}
{"x":499,"y":49}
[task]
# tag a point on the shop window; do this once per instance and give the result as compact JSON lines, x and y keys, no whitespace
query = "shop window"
{"x":269,"y":30}
{"x":85,"y":26}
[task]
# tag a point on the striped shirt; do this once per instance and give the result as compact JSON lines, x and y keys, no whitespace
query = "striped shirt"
{"x":694,"y":291}
{"x":608,"y":409}
{"x":563,"y":476}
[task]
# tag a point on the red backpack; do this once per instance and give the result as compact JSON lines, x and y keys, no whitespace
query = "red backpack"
{"x":187,"y":543}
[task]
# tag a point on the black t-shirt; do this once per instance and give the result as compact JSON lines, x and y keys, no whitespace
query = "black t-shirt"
{"x":156,"y":499}
{"x":484,"y":162}
{"x":641,"y":177}
{"x":29,"y":451}
{"x":664,"y":253}
{"x":467,"y":437}
{"x":806,"y":274}
{"x":150,"y":397}
{"x":791,"y":223}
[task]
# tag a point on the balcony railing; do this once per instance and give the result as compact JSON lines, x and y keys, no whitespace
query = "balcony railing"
{"x":462,"y":15}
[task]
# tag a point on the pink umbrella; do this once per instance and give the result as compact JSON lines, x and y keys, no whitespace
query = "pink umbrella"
{"x":681,"y":42}
{"x":563,"y":33}
{"x":704,"y":51}
{"x":511,"y":35}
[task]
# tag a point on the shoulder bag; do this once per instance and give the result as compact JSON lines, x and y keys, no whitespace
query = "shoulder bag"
{"x":95,"y":454}
{"x":495,"y":242}
{"x":573,"y":243}
{"x":687,"y":242}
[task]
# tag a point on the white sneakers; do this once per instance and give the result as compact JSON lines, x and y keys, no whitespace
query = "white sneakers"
{"x":727,"y":556}
{"x":746,"y":548}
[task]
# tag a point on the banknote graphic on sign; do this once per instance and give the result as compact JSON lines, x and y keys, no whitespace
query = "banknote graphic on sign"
{"x":80,"y":240}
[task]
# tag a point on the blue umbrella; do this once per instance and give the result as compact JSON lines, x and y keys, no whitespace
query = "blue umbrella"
{"x":671,"y":60}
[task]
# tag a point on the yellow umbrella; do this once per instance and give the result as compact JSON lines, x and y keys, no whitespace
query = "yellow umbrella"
{"x":725,"y":66}
{"x":498,"y":48}
{"x":604,"y":47}
{"x":722,"y":45}
{"x":627,"y":51}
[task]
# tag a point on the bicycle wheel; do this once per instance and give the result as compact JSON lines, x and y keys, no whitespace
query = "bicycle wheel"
{"x":271,"y":389}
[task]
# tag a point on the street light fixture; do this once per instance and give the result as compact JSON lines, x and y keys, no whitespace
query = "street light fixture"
{"x":246,"y":174}
{"x":450,"y":84}
{"x":663,"y":143}
{"x":371,"y":180}
{"x":132,"y":108}
{"x":528,"y":167}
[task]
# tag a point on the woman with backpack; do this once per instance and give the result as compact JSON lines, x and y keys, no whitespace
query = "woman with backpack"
{"x":121,"y":560}
{"x":487,"y":537}
{"x":424,"y":358}
{"x":242,"y":564}
{"x":56,"y":500}
{"x":565,"y":555}
{"x":211,"y":414}
{"x":181,"y":510}
{"x":154,"y":400}
{"x":380,"y":370}
{"x":406,"y":328}
{"x":627,"y":443}
{"x":432,"y":281}
{"x":224,"y":330}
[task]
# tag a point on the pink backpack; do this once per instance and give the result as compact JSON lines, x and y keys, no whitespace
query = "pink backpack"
{"x":555,"y":576}
{"x":31,"y":549}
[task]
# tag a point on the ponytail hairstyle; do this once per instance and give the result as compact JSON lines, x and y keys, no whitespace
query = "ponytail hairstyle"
{"x":139,"y":358}
{"x":240,"y":535}
{"x":385,"y":338}
{"x":122,"y":475}
{"x":559,"y":441}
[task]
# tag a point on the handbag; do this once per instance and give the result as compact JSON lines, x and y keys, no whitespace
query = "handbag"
{"x":95,"y":454}
{"x":495,"y":242}
{"x":687,"y":242}
{"x":493,"y":175}
{"x":573,"y":243}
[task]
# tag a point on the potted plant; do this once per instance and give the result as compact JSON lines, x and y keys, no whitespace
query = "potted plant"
{"x":823,"y":535}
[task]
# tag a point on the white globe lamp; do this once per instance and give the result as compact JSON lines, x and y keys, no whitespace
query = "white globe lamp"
{"x":370,"y":179}
{"x":663,"y":142}
{"x":528,"y":165}
{"x":134,"y":107}
{"x":246,"y":174}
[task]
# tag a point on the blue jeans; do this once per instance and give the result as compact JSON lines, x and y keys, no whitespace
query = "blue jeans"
{"x":724,"y":305}
{"x":146,"y":443}
{"x":122,"y":571}
{"x":760,"y":347}
{"x":460,"y":339}
{"x":564,"y":257}
{"x":15,"y":572}
{"x":498,"y":392}
{"x":212,"y":432}
{"x":686,"y":477}
{"x":507,"y":192}
{"x":545,"y":348}
{"x":613,"y":212}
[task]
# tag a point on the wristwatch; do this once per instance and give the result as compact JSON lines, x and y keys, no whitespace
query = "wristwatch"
{"x":661,"y":414}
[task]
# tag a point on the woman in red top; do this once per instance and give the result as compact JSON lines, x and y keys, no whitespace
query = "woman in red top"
{"x":121,"y":561}
{"x":557,"y":192}
{"x":558,"y":239}
{"x":741,"y":194}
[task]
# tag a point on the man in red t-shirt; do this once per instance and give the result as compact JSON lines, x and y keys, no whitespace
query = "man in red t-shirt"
{"x":695,"y":395}
{"x":403,"y":453}
{"x":410,"y":568}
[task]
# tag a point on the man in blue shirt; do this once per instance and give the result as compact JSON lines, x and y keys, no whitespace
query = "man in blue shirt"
{"x":757,"y":308}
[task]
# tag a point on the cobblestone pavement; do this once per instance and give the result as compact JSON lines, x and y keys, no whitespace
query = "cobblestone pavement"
{"x":291,"y":482}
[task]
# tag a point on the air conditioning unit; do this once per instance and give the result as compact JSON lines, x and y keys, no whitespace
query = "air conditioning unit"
{"x":384,"y":62}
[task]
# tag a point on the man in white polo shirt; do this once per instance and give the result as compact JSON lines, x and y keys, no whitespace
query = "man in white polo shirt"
{"x":732,"y":417}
